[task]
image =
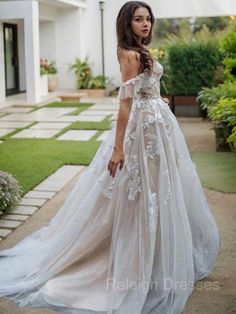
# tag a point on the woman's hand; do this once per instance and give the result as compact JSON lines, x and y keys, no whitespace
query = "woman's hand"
{"x":165,"y":100}
{"x":117,"y":159}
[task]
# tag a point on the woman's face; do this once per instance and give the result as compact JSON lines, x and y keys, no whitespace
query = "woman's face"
{"x":141,"y":23}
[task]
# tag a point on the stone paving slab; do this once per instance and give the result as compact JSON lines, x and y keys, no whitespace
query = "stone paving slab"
{"x":50,"y":125}
{"x":17,"y":109}
{"x":4,"y":132}
{"x":10,"y":224}
{"x":78,"y":135}
{"x":32,"y":201}
{"x":29,"y":133}
{"x":112,"y":107}
{"x":103,"y":136}
{"x":15,"y":217}
{"x":4,"y":232}
{"x":50,"y":112}
{"x":24,"y":210}
{"x":39,"y":194}
{"x":96,"y":118}
{"x":96,"y":113}
{"x":13,"y":124}
{"x":43,"y":114}
{"x":17,"y":117}
{"x":59,"y":179}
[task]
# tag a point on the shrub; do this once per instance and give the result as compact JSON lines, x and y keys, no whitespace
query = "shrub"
{"x":10,"y":191}
{"x":208,"y":97}
{"x":193,"y":66}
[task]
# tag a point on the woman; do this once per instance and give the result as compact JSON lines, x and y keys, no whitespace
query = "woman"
{"x":136,"y":232}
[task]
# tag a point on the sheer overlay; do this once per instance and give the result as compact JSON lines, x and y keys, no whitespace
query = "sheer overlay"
{"x":135,"y":243}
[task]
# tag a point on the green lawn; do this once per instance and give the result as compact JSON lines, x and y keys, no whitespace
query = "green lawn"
{"x":217,"y":170}
{"x":32,"y":160}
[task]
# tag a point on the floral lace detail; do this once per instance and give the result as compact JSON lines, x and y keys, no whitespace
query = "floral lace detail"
{"x":152,"y":149}
{"x":152,"y":210}
{"x":109,"y":189}
{"x":133,"y":177}
{"x":130,"y":137}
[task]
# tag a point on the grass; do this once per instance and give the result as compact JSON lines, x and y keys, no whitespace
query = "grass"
{"x":32,"y":160}
{"x":80,"y":106}
{"x":217,"y":170}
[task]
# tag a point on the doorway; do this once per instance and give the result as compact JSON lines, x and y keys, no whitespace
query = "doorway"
{"x":11,"y":58}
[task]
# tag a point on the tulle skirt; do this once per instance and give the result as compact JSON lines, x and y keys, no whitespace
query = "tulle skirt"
{"x":135,"y":243}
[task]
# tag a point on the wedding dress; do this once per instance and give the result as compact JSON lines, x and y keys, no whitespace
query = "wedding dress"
{"x":132,"y":244}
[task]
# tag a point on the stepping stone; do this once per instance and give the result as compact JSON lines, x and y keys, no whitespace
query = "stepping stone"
{"x":71,"y":118}
{"x":4,"y":232}
{"x":24,"y":210}
{"x":96,"y":113}
{"x":50,"y":112}
{"x":1,"y":142}
{"x":4,"y":132}
{"x":50,"y":125}
{"x":9,"y":224}
{"x":95,"y":118}
{"x":39,"y":194}
{"x":32,"y":201}
{"x":77,"y":135}
{"x":59,"y":179}
{"x":15,"y":217}
{"x":17,"y":109}
{"x":29,"y":133}
{"x":13,"y":124}
{"x":17,"y":117}
{"x":104,"y":107}
{"x":103,"y":136}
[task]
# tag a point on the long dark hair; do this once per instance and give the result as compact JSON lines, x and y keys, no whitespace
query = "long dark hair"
{"x":126,"y":39}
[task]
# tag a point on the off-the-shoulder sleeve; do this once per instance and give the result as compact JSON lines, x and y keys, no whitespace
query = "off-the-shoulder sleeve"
{"x":126,"y":89}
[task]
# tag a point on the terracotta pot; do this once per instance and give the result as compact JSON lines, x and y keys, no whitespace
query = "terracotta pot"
{"x":44,"y":85}
{"x":52,"y":82}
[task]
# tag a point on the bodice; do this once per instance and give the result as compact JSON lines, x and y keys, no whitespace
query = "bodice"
{"x":144,"y":86}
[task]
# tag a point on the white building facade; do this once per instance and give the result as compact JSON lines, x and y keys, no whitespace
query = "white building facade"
{"x":61,"y":30}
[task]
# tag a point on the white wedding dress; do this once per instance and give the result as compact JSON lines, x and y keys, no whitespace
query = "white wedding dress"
{"x":132,"y":244}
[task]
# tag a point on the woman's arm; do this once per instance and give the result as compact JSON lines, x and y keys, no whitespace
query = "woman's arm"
{"x":129,"y":66}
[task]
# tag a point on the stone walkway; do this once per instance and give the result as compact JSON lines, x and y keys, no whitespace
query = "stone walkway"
{"x":49,"y":196}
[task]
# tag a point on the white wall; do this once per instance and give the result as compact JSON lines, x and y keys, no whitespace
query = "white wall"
{"x":21,"y":55}
{"x":68,"y":45}
{"x":47,"y":40}
{"x":2,"y":67}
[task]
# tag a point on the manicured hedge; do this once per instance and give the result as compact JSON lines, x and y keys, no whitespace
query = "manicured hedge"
{"x":192,"y":66}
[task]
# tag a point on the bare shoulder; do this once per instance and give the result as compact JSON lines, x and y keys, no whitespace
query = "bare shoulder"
{"x":129,"y":63}
{"x":128,"y":56}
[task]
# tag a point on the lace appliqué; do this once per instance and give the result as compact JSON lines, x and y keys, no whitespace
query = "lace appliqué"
{"x":152,"y":149}
{"x":133,"y":177}
{"x":109,"y":189}
{"x":152,"y":210}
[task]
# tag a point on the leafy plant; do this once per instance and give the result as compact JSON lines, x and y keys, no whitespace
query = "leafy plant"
{"x":208,"y":97}
{"x":47,"y":67}
{"x":224,"y":114}
{"x":10,"y":191}
{"x":99,"y":82}
{"x":84,"y":76}
{"x":83,"y":72}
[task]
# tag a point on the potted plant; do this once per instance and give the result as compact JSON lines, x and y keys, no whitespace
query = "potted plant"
{"x":52,"y":77}
{"x":93,"y":86}
{"x":43,"y":79}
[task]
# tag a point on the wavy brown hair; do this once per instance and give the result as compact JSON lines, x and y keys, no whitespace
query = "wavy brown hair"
{"x":126,"y":39}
